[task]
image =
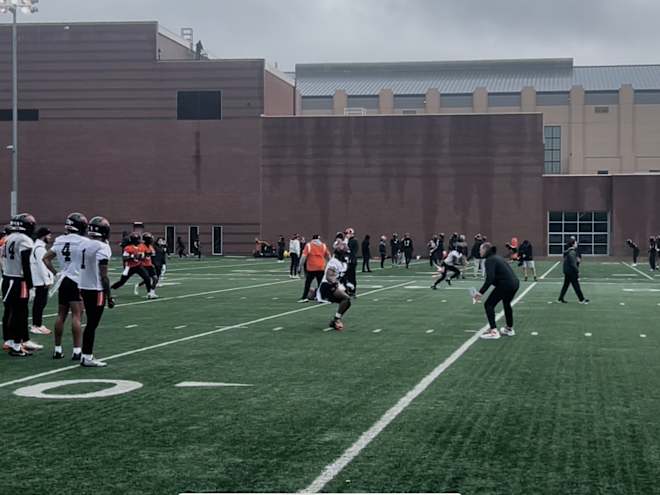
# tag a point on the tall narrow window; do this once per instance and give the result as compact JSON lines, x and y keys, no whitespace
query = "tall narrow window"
{"x":552,"y":140}
{"x":217,"y":240}
{"x":170,"y":236}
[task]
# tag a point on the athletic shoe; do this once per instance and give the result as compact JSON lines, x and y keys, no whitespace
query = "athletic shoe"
{"x":20,"y":353}
{"x":507,"y":332}
{"x":584,"y":301}
{"x":562,"y":301}
{"x":136,"y":289}
{"x":491,"y":335}
{"x":337,"y":325}
{"x":535,"y":279}
{"x":434,"y":287}
{"x":152,"y":295}
{"x":92,"y":363}
{"x":36,"y":330}
{"x":525,"y":279}
{"x":304,"y":300}
{"x":58,"y":355}
{"x":76,"y":357}
{"x":448,"y":281}
{"x":32,"y":346}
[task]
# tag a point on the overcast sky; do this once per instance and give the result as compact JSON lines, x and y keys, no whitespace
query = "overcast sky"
{"x":291,"y":31}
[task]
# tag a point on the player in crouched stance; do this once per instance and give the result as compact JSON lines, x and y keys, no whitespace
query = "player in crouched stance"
{"x":332,"y":288}
{"x":95,"y":285}
{"x":500,"y":275}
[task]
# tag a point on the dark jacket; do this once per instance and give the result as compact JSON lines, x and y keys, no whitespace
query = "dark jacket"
{"x":499,"y":274}
{"x":474,"y":254}
{"x":382,"y":248}
{"x":407,"y":245}
{"x":394,"y":247}
{"x":526,"y":252}
{"x":366,"y":252}
{"x":571,"y":264}
{"x":353,"y":248}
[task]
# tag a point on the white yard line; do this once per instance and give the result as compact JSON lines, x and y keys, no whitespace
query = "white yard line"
{"x":333,"y":469}
{"x":190,"y":337}
{"x":638,"y":271}
{"x":198,"y":294}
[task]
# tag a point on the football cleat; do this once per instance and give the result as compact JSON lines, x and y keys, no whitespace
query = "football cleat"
{"x":76,"y":357}
{"x":92,"y":363}
{"x":58,"y":355}
{"x":20,"y":353}
{"x":563,"y":301}
{"x":507,"y":332}
{"x":152,"y":295}
{"x":491,"y":335}
{"x":337,"y":324}
{"x":584,"y":301}
{"x":32,"y":346}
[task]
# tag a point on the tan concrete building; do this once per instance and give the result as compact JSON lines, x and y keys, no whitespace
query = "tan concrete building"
{"x":597,"y":120}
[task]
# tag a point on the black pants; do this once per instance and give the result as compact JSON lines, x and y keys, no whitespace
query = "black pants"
{"x":506,"y":295}
{"x":365,"y":263}
{"x":408,"y":256}
{"x":351,"y":276}
{"x":652,"y":257}
{"x":455,"y":272}
{"x":15,"y":317}
{"x":635,"y":255}
{"x":383,"y":256}
{"x":309,"y":276}
{"x":571,"y":280}
{"x":141,"y":272}
{"x":38,"y":305}
{"x":295,"y":264}
{"x":94,"y":302}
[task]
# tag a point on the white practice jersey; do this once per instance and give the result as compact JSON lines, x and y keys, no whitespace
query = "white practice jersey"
{"x":335,"y":265}
{"x":41,"y":276}
{"x":93,"y":251}
{"x":69,"y":255}
{"x":454,"y":258}
{"x":16,"y":243}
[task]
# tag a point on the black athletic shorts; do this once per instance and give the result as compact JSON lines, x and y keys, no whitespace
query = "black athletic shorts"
{"x":14,"y":290}
{"x":68,"y":292}
{"x":151,"y":271}
{"x":328,"y":293}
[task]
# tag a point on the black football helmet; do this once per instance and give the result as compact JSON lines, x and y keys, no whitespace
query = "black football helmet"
{"x":99,"y":228}
{"x":76,"y":223}
{"x":24,"y":223}
{"x":134,"y":238}
{"x":148,"y":238}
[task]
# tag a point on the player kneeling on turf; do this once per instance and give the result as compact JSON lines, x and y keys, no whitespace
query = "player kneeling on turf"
{"x":500,"y":275}
{"x":95,"y":285}
{"x":332,"y":288}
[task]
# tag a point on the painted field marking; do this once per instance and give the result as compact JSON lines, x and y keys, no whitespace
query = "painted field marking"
{"x":210,"y":297}
{"x":409,"y":300}
{"x":641,"y":290}
{"x":329,"y":329}
{"x":622,"y":304}
{"x":376,"y":300}
{"x":637,"y":270}
{"x":277,"y":329}
{"x":210,"y":384}
{"x":535,"y":333}
{"x":276,"y":298}
{"x":333,"y":469}
{"x":444,"y":300}
{"x":180,"y":327}
{"x":430,"y":331}
{"x":643,"y":335}
{"x":198,"y":294}
{"x":587,"y":334}
{"x":131,"y":326}
{"x":378,"y":330}
{"x":471,"y":331}
{"x":189,"y":337}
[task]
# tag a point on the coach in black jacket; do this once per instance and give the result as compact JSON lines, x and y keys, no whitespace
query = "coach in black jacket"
{"x":572,"y":273}
{"x":352,"y":261}
{"x":501,"y":276}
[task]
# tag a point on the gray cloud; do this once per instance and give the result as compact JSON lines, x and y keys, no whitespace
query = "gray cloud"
{"x":290,"y":31}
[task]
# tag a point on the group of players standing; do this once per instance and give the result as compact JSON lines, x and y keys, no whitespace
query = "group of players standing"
{"x":82,"y":283}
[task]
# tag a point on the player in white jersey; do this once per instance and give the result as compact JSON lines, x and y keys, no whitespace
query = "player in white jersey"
{"x":95,"y":285}
{"x":332,"y":288}
{"x":68,"y":251}
{"x":16,"y":284}
{"x":454,"y":259}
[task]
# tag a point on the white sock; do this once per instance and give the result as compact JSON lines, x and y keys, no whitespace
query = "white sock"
{"x":15,"y":345}
{"x":338,"y":316}
{"x":58,"y":348}
{"x":77,"y":350}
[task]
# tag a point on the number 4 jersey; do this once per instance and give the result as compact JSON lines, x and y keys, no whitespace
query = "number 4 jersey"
{"x":68,"y":249}
{"x":93,"y":251}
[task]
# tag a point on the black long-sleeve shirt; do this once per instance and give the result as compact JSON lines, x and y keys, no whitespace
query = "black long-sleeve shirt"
{"x":499,"y":274}
{"x":366,"y":251}
{"x":407,"y":245}
{"x":353,"y":250}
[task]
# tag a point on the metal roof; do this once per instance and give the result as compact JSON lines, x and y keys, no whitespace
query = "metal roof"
{"x":497,"y":76}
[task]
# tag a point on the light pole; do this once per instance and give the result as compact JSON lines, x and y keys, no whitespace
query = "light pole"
{"x":27,"y":7}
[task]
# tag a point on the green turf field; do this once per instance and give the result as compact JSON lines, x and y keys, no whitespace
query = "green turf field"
{"x":570,"y":405}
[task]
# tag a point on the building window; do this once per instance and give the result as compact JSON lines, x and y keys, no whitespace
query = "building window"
{"x":552,"y":141}
{"x":504,"y":100}
{"x":548,"y":99}
{"x":193,"y":236}
{"x":456,"y":101}
{"x":199,"y":105}
{"x":647,"y":97}
{"x":601,"y":98}
{"x":217,"y":235}
{"x":404,"y":103}
{"x":366,"y":102}
{"x":590,"y":229}
{"x":24,"y":114}
{"x":323,"y":103}
{"x":170,"y":236}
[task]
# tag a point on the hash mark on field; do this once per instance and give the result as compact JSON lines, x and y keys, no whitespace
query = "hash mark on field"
{"x":471,"y":331}
{"x":275,"y":298}
{"x":535,"y":333}
{"x":131,"y":326}
{"x":643,"y":335}
{"x":409,"y":300}
{"x":444,"y":300}
{"x":180,"y":327}
{"x":430,"y":331}
{"x":587,"y":334}
{"x":277,"y":329}
{"x":210,"y":297}
{"x":328,"y":329}
{"x":378,"y":330}
{"x":376,"y":300}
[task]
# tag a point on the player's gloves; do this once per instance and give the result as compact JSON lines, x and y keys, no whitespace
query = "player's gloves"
{"x":111,"y":302}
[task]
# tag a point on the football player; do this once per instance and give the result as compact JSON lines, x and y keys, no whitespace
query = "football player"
{"x":160,"y":258}
{"x":332,"y":288}
{"x":133,"y":256}
{"x":42,"y":280}
{"x":95,"y":285}
{"x":148,"y":253}
{"x":449,"y":264}
{"x":16,"y":285}
{"x":68,"y":251}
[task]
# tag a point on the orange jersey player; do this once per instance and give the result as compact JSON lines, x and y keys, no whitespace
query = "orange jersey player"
{"x":147,"y":251}
{"x":133,"y":258}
